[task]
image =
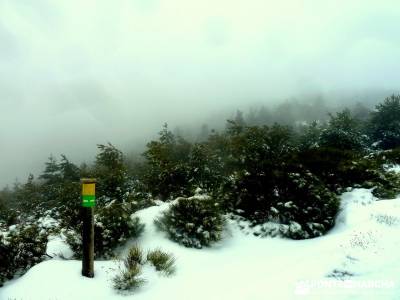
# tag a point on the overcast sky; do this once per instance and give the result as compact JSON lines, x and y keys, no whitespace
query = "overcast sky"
{"x":77,"y":73}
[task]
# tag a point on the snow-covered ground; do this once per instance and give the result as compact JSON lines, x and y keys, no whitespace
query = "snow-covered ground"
{"x":394,"y":168}
{"x":358,"y":259}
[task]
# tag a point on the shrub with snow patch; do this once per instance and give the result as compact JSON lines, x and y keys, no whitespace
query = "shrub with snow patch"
{"x":343,"y":132}
{"x":306,"y":207}
{"x":384,"y":124}
{"x":193,"y":222}
{"x":21,"y":247}
{"x":298,"y":201}
{"x":387,"y":185}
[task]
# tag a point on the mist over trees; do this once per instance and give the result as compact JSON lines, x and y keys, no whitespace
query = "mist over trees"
{"x":309,"y":125}
{"x":285,"y":166}
{"x":297,"y":113}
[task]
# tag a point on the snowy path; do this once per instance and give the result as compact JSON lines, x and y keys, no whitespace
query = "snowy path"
{"x":364,"y":243}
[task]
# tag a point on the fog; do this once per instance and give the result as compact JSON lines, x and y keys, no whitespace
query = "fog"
{"x":77,"y":73}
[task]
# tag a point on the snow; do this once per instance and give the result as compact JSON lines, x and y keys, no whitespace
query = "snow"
{"x":357,"y":259}
{"x":47,"y":222}
{"x":56,"y":246}
{"x":393,"y":168}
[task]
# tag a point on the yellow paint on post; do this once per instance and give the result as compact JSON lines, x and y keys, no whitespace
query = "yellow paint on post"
{"x":88,"y":189}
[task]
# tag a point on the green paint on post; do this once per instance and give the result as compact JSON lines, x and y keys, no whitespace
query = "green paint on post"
{"x":88,"y":200}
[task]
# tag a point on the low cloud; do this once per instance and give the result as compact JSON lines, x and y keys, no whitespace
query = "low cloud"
{"x":76,"y":73}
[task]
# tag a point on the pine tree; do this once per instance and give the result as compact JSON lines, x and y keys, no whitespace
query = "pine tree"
{"x":110,"y":171}
{"x":3,"y":209}
{"x":239,"y":118}
{"x":343,"y":132}
{"x":310,"y":139}
{"x":68,"y":170}
{"x":51,"y":173}
{"x":384,"y":125}
{"x":167,"y":159}
{"x":29,"y":196}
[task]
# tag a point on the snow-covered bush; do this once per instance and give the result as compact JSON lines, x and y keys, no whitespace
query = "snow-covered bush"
{"x":258,"y":155}
{"x":193,"y":222}
{"x":387,"y":185}
{"x":343,"y":132}
{"x":8,"y":216}
{"x":110,"y":172}
{"x":21,"y":247}
{"x":298,"y":201}
{"x":269,"y":183}
{"x":386,"y":157}
{"x":175,"y":167}
{"x":163,"y":262}
{"x":339,"y":169}
{"x":5,"y":261}
{"x":306,"y":206}
{"x":374,"y":171}
{"x":3,"y":210}
{"x":113,"y":226}
{"x":393,"y":156}
{"x":310,"y":136}
{"x":166,"y":173}
{"x":67,"y":210}
{"x":137,"y":198}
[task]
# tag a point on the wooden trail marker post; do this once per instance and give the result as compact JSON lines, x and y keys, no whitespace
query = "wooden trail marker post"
{"x":88,"y":203}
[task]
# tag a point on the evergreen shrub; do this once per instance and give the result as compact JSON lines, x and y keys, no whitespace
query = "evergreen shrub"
{"x":21,"y":247}
{"x":193,"y":222}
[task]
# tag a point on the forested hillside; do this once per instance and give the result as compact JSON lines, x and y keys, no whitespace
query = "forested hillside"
{"x":285,"y":178}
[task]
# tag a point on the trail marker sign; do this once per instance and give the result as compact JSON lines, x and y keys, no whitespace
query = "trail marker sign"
{"x":88,"y":203}
{"x":88,"y":192}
